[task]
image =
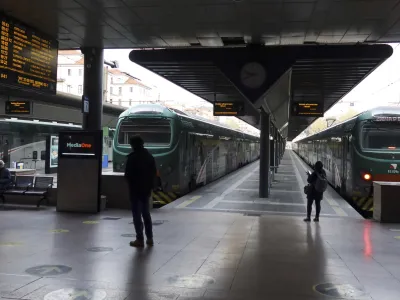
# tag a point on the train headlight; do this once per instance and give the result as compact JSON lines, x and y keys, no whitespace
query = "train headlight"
{"x":366,"y":176}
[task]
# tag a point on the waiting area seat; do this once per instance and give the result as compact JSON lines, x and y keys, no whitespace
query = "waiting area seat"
{"x":38,"y":186}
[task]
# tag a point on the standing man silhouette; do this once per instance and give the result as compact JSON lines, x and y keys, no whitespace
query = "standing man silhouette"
{"x":140,"y":174}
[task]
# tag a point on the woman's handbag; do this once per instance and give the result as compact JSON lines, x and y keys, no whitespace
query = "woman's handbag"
{"x":307,"y":189}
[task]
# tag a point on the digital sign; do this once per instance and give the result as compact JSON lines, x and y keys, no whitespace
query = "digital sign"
{"x":308,"y":109}
{"x":228,"y":108}
{"x":18,"y":107}
{"x":53,"y":151}
{"x":75,"y":144}
{"x":28,"y":58}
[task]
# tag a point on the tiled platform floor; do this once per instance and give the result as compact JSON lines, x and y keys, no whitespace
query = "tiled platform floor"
{"x":199,"y":254}
{"x":238,"y":192}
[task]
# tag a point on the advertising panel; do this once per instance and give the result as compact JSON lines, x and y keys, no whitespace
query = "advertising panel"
{"x":78,"y":144}
{"x":53,"y":151}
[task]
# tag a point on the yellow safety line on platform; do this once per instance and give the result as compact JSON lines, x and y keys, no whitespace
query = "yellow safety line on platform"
{"x":188,"y":202}
{"x":336,"y":207}
{"x":331,"y":202}
{"x":339,"y":211}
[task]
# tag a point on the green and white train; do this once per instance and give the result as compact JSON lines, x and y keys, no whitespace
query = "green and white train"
{"x":190,"y":151}
{"x":357,"y":152}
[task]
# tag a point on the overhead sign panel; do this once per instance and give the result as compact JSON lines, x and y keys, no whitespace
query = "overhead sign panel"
{"x":228,"y":108}
{"x":28,"y":58}
{"x":307,"y":109}
{"x":18,"y":107}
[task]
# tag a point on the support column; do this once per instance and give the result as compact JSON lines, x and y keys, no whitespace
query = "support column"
{"x":272,"y":152}
{"x":264,"y":155}
{"x":93,"y":87}
{"x":276,"y":148}
{"x":280,"y":147}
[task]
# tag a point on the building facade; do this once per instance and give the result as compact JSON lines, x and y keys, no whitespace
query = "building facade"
{"x":119,"y":88}
{"x":127,"y":90}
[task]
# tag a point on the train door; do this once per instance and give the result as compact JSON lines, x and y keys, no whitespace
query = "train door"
{"x":5,"y":149}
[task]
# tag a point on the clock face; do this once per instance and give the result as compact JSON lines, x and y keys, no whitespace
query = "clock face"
{"x":253,"y":75}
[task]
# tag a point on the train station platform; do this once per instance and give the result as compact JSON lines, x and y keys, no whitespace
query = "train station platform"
{"x":220,"y":242}
{"x":238,"y":192}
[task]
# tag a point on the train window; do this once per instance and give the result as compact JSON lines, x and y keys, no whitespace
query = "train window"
{"x":380,"y":137}
{"x":154,"y":132}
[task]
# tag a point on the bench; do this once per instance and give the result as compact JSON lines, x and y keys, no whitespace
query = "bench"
{"x":38,"y":186}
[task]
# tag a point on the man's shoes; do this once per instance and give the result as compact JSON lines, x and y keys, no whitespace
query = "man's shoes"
{"x":316,"y":219}
{"x":137,"y":244}
{"x":307,"y":220}
{"x":150,"y":242}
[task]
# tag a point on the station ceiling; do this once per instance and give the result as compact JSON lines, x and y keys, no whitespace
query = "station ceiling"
{"x":183,"y":23}
{"x":225,"y":23}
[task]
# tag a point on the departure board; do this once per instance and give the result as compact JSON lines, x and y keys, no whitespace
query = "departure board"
{"x":307,"y":109}
{"x":18,"y":107}
{"x":227,"y":108}
{"x":28,"y":58}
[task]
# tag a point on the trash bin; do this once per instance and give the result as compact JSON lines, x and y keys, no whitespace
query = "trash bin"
{"x":103,"y":202}
{"x":386,"y":204}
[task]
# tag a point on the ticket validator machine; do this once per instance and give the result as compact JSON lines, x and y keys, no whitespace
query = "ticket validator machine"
{"x":79,"y":171}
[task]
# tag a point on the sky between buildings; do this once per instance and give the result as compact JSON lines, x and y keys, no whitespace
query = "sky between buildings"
{"x":382,"y":87}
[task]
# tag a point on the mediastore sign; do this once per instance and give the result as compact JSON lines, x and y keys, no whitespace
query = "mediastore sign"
{"x":78,"y":145}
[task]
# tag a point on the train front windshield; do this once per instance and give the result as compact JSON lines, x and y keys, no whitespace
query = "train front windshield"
{"x":381,"y":136}
{"x":154,"y":132}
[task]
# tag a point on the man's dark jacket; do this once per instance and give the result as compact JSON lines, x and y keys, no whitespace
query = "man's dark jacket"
{"x":140,"y":172}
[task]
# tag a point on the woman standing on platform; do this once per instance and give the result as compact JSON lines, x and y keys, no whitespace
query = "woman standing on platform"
{"x":315,"y":190}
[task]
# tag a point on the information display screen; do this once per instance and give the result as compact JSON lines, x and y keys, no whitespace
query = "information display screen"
{"x":28,"y":58}
{"x":18,"y":107}
{"x":77,"y":144}
{"x":227,"y":108}
{"x":308,"y":109}
{"x":53,"y":151}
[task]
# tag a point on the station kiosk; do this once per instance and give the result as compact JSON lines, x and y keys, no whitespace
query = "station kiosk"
{"x":79,"y":171}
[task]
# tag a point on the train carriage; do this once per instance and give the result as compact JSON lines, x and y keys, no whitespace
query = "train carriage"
{"x":357,"y":152}
{"x":189,"y":151}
